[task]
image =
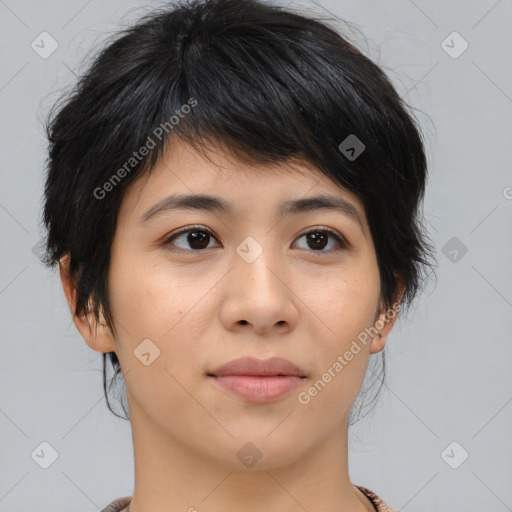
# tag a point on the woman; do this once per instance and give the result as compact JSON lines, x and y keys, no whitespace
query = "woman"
{"x":232,"y":198}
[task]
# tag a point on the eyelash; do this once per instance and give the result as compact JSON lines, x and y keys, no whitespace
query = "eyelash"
{"x":341,"y":241}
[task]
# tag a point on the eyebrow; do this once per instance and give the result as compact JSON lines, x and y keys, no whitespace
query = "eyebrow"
{"x":209,"y":203}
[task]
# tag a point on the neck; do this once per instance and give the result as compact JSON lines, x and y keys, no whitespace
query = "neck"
{"x":171,"y":477}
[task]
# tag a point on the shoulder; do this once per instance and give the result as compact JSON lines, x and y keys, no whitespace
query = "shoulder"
{"x":379,"y":504}
{"x":118,"y":505}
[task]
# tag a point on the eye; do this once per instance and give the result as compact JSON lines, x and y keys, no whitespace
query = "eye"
{"x":198,"y":238}
{"x":318,"y":239}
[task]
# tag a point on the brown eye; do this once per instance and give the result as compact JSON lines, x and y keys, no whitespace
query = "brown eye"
{"x":318,"y":239}
{"x":194,"y":239}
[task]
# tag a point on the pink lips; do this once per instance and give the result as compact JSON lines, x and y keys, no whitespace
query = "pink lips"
{"x":258,"y":380}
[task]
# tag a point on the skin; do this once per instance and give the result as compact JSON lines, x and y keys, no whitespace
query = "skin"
{"x":295,"y":301}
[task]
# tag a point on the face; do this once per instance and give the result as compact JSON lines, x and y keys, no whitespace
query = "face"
{"x":194,"y":288}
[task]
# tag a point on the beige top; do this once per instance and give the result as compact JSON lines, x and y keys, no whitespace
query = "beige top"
{"x":121,"y":503}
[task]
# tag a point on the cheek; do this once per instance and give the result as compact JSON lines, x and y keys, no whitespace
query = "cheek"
{"x":345,"y":303}
{"x":340,"y":375}
{"x":345,"y":307}
{"x":149,"y":302}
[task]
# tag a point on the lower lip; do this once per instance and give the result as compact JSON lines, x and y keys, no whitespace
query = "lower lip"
{"x":259,"y":389}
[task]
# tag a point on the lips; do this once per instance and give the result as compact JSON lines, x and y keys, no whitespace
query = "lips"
{"x":275,"y":366}
{"x":256,"y":380}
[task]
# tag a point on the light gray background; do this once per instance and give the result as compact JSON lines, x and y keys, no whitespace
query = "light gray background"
{"x":449,"y":375}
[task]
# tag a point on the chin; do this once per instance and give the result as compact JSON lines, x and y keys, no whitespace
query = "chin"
{"x":259,"y":451}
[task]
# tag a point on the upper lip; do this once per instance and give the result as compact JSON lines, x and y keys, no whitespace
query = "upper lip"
{"x":254,"y":366}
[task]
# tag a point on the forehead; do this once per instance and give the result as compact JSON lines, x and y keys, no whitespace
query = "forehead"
{"x":242,"y":186}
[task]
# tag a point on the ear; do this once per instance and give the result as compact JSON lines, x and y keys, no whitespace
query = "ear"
{"x":384,"y":323}
{"x":97,"y":336}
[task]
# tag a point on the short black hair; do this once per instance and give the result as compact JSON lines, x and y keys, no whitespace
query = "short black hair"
{"x":270,"y":84}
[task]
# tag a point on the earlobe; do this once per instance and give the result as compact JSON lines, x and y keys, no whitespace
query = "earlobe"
{"x":383,"y":325}
{"x":97,"y":336}
{"x":379,"y":339}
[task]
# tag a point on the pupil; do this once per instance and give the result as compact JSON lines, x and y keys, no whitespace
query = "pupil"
{"x":315,"y":237}
{"x":195,"y":236}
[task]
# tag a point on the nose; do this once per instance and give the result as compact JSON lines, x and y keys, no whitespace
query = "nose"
{"x":260,"y":296}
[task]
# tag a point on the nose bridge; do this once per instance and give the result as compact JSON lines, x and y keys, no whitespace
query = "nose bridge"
{"x":256,"y":265}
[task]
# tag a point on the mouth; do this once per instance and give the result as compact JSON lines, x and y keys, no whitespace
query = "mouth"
{"x":272,"y":367}
{"x":256,"y":380}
